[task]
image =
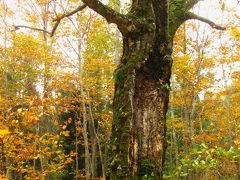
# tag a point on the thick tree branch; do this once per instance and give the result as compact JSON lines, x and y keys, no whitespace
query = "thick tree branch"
{"x":109,"y":14}
{"x":191,"y":3}
{"x":32,"y":28}
{"x":191,"y":15}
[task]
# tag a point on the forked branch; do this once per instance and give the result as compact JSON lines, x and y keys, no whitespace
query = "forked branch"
{"x":109,"y":14}
{"x":58,"y":19}
{"x":191,"y":15}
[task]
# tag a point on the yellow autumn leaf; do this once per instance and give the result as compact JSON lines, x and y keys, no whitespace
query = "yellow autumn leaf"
{"x":66,"y":133}
{"x":78,"y":129}
{"x":4,"y":132}
{"x":52,"y":108}
{"x":64,"y":127}
{"x":19,"y":110}
{"x":3,"y":177}
{"x":235,"y":32}
{"x":69,"y":120}
{"x":55,"y":122}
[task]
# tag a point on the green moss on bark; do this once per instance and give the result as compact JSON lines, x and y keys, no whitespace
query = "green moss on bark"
{"x":149,"y":170}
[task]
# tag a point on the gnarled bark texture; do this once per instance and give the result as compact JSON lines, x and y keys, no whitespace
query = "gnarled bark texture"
{"x":142,"y":83}
{"x":141,"y":99}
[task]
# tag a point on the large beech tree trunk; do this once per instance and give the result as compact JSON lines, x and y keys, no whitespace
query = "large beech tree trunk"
{"x":140,"y":106}
{"x":142,"y":83}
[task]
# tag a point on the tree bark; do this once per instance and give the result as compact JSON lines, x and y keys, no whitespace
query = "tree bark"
{"x":142,"y":83}
{"x":140,"y":106}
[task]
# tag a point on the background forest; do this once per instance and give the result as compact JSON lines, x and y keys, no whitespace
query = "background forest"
{"x":56,"y":92}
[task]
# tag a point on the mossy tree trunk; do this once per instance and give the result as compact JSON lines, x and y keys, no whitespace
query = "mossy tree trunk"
{"x":142,"y":84}
{"x":140,"y":106}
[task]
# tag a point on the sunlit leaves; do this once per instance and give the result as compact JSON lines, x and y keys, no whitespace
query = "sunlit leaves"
{"x":204,"y":104}
{"x":235,"y":32}
{"x":66,"y":133}
{"x":202,"y":158}
{"x":4,"y":132}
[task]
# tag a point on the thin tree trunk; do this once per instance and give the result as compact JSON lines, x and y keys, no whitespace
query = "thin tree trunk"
{"x":76,"y":148}
{"x":85,"y":136}
{"x":92,"y":134}
{"x":8,"y":160}
{"x":174,"y":145}
{"x":95,"y":138}
{"x":227,"y":106}
{"x":84,"y":113}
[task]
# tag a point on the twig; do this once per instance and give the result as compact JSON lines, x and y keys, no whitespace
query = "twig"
{"x":58,"y":19}
{"x":28,"y":27}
